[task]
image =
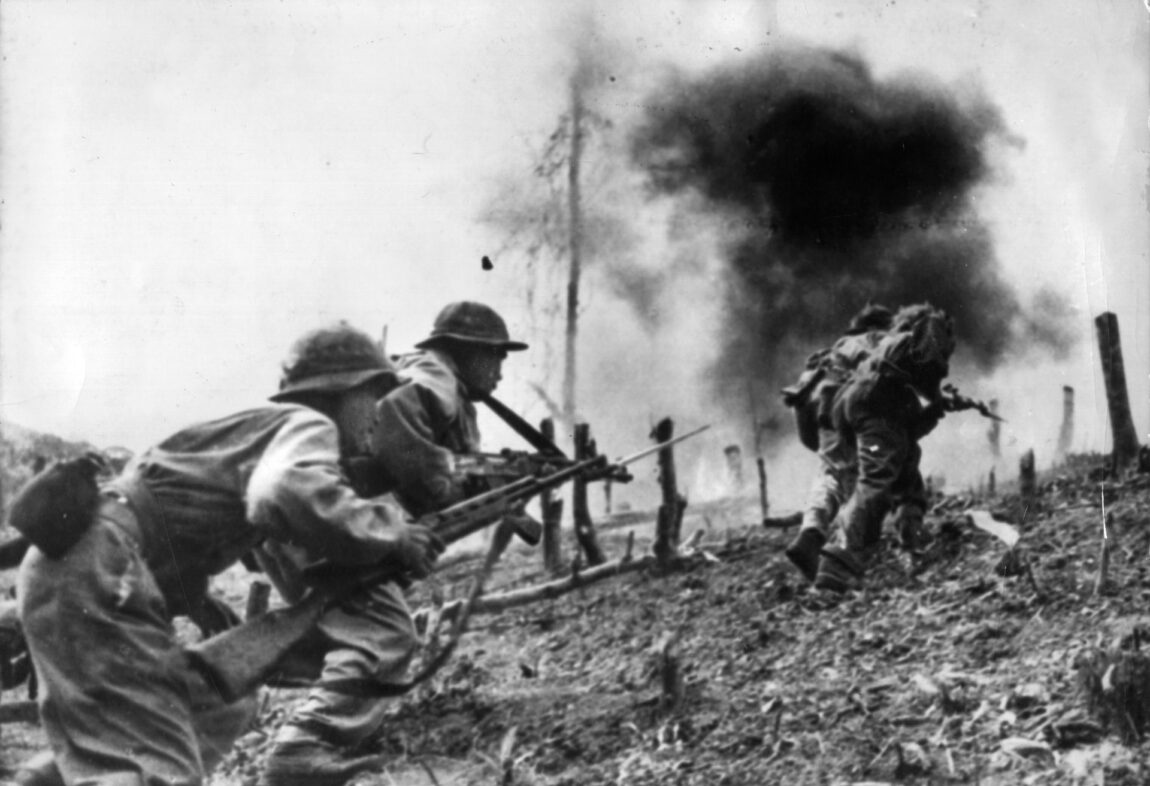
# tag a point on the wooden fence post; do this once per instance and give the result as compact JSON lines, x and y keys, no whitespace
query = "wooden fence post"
{"x":670,"y":518}
{"x":584,"y":528}
{"x":1117,"y":398}
{"x":1066,"y":432}
{"x":994,"y":433}
{"x":1026,"y":478}
{"x":551,"y":509}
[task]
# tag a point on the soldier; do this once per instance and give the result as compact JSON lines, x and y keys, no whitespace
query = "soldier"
{"x":426,"y":423}
{"x":892,"y":400}
{"x":422,"y":425}
{"x":118,"y":701}
{"x":812,"y":398}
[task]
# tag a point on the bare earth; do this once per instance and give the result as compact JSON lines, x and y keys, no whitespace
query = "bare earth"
{"x":942,"y":672}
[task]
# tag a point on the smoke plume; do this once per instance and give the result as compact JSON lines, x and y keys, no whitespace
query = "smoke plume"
{"x":836,"y":189}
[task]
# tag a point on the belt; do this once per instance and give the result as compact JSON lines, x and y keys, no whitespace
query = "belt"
{"x":116,"y":510}
{"x":144,"y":520}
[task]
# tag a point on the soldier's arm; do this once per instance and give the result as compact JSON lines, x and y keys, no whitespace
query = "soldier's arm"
{"x":298,"y":494}
{"x":411,"y":420}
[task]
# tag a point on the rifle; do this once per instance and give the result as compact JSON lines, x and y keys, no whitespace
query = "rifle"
{"x":510,"y":465}
{"x":239,"y":660}
{"x":953,"y":401}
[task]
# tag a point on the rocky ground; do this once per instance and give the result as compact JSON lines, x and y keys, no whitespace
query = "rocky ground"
{"x":731,"y":671}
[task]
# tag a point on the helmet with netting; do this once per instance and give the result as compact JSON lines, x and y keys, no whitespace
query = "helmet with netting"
{"x":334,"y":359}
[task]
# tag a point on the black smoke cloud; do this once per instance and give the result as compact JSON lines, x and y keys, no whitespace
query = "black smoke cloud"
{"x":839,"y":189}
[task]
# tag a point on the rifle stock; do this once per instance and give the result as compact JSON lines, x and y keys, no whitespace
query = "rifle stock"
{"x":237,"y":661}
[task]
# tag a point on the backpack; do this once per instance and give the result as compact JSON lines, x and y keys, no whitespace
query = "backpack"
{"x":931,"y":336}
{"x":917,"y":350}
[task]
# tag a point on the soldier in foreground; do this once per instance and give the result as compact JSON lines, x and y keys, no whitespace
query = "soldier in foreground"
{"x":812,"y":398}
{"x":423,"y":425}
{"x":119,"y":702}
{"x":892,"y":401}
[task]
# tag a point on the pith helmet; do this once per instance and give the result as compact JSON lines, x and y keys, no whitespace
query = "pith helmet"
{"x":334,"y":359}
{"x":466,"y":322}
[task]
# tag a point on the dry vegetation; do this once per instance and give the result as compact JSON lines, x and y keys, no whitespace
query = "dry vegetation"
{"x":729,"y":671}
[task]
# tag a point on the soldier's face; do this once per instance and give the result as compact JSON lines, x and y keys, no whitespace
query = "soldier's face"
{"x":357,"y":417}
{"x":480,"y":370}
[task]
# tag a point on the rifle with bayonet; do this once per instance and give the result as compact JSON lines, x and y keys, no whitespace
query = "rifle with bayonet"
{"x":953,"y":401}
{"x":239,"y":660}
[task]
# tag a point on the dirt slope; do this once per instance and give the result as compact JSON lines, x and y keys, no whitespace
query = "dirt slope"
{"x":943,"y":671}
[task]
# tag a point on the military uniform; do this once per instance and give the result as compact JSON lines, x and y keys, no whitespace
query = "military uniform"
{"x":836,"y":456}
{"x":421,"y":426}
{"x":119,"y":702}
{"x":830,"y":369}
{"x":891,"y":401}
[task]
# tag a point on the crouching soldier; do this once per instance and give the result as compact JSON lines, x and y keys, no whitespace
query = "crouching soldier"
{"x":827,"y":371}
{"x":892,"y":401}
{"x":118,"y":701}
{"x":422,"y":426}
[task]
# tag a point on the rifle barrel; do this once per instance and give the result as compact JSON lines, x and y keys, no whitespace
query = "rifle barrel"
{"x":622,"y":462}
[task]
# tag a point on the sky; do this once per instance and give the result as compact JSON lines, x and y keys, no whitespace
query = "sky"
{"x":186,"y":187}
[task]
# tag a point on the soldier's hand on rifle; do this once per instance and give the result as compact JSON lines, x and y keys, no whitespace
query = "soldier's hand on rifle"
{"x":418,"y":549}
{"x":930,"y":416}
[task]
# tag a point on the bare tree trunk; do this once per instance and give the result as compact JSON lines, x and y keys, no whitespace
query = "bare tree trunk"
{"x":584,"y":528}
{"x":551,"y":509}
{"x":670,"y":515}
{"x":1117,"y":398}
{"x":575,"y":249}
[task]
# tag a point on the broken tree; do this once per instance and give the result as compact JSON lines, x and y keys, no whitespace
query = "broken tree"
{"x":670,"y":516}
{"x":1117,"y":398}
{"x":584,"y":527}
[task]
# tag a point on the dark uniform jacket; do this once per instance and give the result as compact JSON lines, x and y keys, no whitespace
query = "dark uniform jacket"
{"x":423,"y":425}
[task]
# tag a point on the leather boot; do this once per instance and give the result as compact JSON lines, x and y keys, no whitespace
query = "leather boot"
{"x":912,"y":532}
{"x":300,"y":757}
{"x":839,"y":571}
{"x":804,"y":551}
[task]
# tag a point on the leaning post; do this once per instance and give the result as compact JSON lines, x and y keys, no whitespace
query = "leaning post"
{"x":1117,"y":398}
